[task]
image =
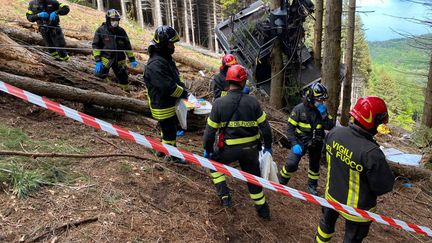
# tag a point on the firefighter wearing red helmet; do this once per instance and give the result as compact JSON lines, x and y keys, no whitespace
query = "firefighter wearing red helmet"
{"x":219,"y":85}
{"x":357,"y":170}
{"x":240,"y":123}
{"x":306,"y":126}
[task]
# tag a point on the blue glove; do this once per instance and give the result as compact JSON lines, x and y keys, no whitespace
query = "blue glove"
{"x":43,"y":15}
{"x":297,"y":149}
{"x":134,"y":64}
{"x":246,"y":89}
{"x":53,"y":16}
{"x":270,"y":150}
{"x":99,"y":66}
{"x":322,"y":109}
{"x":207,"y":155}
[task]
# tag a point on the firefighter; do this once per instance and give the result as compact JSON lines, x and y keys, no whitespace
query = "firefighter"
{"x":357,"y":170}
{"x":110,"y":36}
{"x":219,"y":84}
{"x":239,"y":119}
{"x":306,"y":126}
{"x":46,"y":14}
{"x":163,"y":83}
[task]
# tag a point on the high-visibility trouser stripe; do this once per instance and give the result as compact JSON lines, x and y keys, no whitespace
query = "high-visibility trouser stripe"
{"x":235,"y":141}
{"x":177,"y":92}
{"x":319,"y":126}
{"x":324,"y":237}
{"x":170,"y":142}
{"x":212,"y":123}
{"x":223,"y":93}
{"x":298,"y":131}
{"x":262,"y":118}
{"x":284,"y":173}
{"x":96,"y":53}
{"x":217,"y":177}
{"x":65,"y":58}
{"x":304,"y":125}
{"x":105,"y":61}
{"x":313,"y":175}
{"x":259,"y":198}
{"x":54,"y":54}
{"x":161,"y":114}
{"x":29,"y":12}
{"x":318,"y":240}
{"x":349,"y":216}
{"x":292,"y":121}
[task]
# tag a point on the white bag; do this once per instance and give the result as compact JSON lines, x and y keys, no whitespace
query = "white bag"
{"x":181,"y":112}
{"x":268,"y":167}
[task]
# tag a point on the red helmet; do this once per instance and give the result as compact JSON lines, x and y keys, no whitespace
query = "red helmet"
{"x":236,"y":73}
{"x":370,"y":112}
{"x":228,"y":60}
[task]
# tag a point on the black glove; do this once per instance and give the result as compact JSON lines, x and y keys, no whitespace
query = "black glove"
{"x":185,"y":94}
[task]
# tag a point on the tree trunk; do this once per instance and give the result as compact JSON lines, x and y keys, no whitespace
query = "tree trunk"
{"x":123,"y":9}
{"x":100,"y":5}
{"x":192,"y":21}
{"x":157,"y":14}
{"x":347,"y":88}
{"x":94,"y":4}
{"x":427,"y":108}
{"x":185,"y":21}
{"x":215,"y":22}
{"x":332,"y":54}
{"x":276,"y":85}
{"x":172,"y":13}
{"x":140,"y":13}
{"x":319,"y":5}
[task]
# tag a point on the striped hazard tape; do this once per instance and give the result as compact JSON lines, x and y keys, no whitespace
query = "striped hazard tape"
{"x":201,"y":161}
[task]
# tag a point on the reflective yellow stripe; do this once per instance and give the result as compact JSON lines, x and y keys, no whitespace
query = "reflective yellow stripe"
{"x":319,"y":240}
{"x":328,"y":158}
{"x":260,"y":202}
{"x":313,"y":175}
{"x":122,"y":62}
{"x":212,"y":123}
{"x":298,"y":131}
{"x":54,"y":54}
{"x":294,"y":123}
{"x":129,"y":54}
{"x":29,"y":12}
{"x":161,"y":114}
{"x":223,"y":93}
{"x":177,"y":92}
{"x":349,"y":216}
{"x":61,"y":5}
{"x":170,"y":142}
{"x":217,"y":177}
{"x":257,"y":196}
{"x":262,"y":118}
{"x":354,"y":188}
{"x":319,"y":126}
{"x":304,"y":125}
{"x":235,"y":141}
{"x":96,"y":53}
{"x":105,"y":61}
{"x":330,"y":117}
{"x":323,"y":234}
{"x":285,"y":173}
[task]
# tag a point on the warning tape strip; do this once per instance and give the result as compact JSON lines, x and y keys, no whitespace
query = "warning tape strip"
{"x":198,"y":160}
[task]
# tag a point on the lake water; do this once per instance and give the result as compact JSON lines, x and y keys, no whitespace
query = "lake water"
{"x":384,"y":22}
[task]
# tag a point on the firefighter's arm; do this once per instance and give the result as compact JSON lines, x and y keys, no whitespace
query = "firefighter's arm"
{"x":31,"y":16}
{"x":213,"y":124}
{"x":128,"y":47}
{"x":292,"y":125}
{"x":97,"y":44}
{"x":164,"y":80}
{"x":328,"y":122}
{"x":63,"y":9}
{"x":264,"y":127}
{"x":379,"y":174}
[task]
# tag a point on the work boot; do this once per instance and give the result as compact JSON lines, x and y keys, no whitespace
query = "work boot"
{"x":312,"y":188}
{"x":283,"y":180}
{"x":263,"y":211}
{"x":226,"y":201}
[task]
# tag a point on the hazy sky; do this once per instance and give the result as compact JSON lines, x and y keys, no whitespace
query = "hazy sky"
{"x":379,"y":24}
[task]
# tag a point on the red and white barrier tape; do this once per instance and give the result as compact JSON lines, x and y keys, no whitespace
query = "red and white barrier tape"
{"x":196,"y":159}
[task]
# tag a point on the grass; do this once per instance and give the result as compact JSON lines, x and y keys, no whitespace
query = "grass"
{"x":26,"y":175}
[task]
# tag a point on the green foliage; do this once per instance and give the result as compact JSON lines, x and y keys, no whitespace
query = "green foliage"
{"x":21,"y":180}
{"x":422,"y":137}
{"x":11,"y":138}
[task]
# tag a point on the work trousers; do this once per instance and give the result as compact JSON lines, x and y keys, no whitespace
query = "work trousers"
{"x":169,"y":130}
{"x":53,"y":37}
{"x":355,"y":232}
{"x":119,"y":68}
{"x":247,"y":156}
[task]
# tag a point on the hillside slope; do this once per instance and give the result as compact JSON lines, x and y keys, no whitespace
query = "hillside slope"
{"x":146,"y":199}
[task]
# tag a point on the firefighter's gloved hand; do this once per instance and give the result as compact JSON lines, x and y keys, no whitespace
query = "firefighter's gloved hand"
{"x":297,"y":149}
{"x":53,"y":16}
{"x":246,"y":89}
{"x":99,"y":66}
{"x":134,"y":64}
{"x":185,"y":94}
{"x":43,"y":15}
{"x":322,"y":109}
{"x":207,"y":155}
{"x":270,"y":150}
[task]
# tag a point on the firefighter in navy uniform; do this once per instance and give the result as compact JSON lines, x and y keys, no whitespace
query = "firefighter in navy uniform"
{"x":240,"y":119}
{"x":357,"y":170}
{"x":306,"y":126}
{"x":46,"y":14}
{"x":219,"y":84}
{"x":163,"y":83}
{"x":110,"y":36}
